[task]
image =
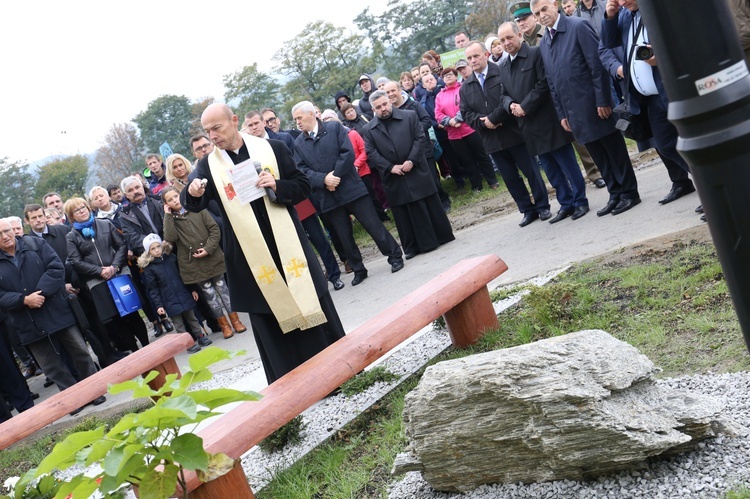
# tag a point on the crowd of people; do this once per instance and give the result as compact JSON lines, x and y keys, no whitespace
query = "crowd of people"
{"x":234,"y":230}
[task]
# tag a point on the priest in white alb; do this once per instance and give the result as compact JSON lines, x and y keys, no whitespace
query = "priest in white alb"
{"x":272,"y":271}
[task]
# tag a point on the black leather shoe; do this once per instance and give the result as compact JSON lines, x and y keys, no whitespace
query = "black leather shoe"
{"x":337,"y":284}
{"x":699,"y":209}
{"x":409,"y":256}
{"x":600,"y":183}
{"x":545,"y":215}
{"x":561,"y":215}
{"x":611,"y":204}
{"x":359,"y":277}
{"x":528,"y":218}
{"x":703,"y":218}
{"x":99,"y":400}
{"x":624,"y":205}
{"x":397,"y":265}
{"x":677,"y":193}
{"x":579,"y":212}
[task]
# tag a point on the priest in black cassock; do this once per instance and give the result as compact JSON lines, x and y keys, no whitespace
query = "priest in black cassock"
{"x":272,"y":271}
{"x":395,"y":146}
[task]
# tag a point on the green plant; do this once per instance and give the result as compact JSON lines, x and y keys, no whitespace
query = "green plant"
{"x":147,"y":449}
{"x":366,"y":379}
{"x":740,"y":492}
{"x":290,"y":433}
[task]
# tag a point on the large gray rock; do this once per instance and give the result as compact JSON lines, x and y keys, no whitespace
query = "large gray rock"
{"x":571,"y":407}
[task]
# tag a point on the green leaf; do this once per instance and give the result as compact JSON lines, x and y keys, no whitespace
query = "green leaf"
{"x":114,"y":461}
{"x":190,"y":378}
{"x":125,"y":424}
{"x":64,"y":453}
{"x":133,"y":469}
{"x":219,"y":464}
{"x":67,"y":488}
{"x":85,"y":489}
{"x":208,"y":356}
{"x":159,"y":484}
{"x":187,"y":450}
{"x":47,"y":484}
{"x":218,"y":397}
{"x":98,"y":451}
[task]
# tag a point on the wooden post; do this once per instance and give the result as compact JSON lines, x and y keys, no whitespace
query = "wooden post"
{"x":234,"y":484}
{"x":169,"y":366}
{"x":468,"y":320}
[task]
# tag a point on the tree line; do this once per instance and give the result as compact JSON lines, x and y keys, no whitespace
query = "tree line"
{"x":314,"y":65}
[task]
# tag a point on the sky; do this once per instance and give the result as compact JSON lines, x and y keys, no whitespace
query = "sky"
{"x":73,"y":69}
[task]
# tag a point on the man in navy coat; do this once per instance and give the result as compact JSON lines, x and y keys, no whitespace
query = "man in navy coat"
{"x":645,"y":90}
{"x":582,"y":95}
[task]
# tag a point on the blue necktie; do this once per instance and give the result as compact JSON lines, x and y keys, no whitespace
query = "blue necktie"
{"x":481,"y":79}
{"x":552,"y":32}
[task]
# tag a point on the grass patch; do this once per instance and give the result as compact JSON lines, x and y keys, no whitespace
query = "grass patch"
{"x":290,"y":433}
{"x":672,"y":304}
{"x":366,"y":379}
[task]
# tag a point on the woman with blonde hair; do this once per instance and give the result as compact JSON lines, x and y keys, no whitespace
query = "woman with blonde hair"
{"x":178,"y":169}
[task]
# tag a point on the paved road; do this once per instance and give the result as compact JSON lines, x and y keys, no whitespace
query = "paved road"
{"x":529,"y":251}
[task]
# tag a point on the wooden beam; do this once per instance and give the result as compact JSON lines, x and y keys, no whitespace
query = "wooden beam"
{"x":247,"y":424}
{"x":155,"y":355}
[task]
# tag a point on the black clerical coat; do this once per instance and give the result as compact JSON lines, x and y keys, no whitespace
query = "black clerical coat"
{"x":401,"y":139}
{"x":279,"y":352}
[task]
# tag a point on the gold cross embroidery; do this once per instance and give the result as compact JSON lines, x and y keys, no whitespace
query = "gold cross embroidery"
{"x":267,"y":274}
{"x":295,"y":267}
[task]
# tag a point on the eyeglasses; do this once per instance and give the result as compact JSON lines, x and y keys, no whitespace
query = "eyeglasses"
{"x":81,"y":209}
{"x":202,"y":148}
{"x":271,"y":120}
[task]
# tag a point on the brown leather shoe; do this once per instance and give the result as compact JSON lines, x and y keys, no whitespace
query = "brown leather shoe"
{"x":225,"y":329}
{"x":236,"y":324}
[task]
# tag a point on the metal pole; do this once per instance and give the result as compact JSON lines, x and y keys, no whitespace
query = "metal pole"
{"x":708,"y":85}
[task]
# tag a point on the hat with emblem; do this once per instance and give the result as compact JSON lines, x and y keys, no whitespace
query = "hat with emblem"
{"x":520,"y":10}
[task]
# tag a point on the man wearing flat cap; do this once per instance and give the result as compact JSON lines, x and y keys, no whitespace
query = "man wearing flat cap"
{"x":532,"y":30}
{"x":463,"y":68}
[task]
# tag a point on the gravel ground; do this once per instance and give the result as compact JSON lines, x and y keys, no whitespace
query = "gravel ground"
{"x":718,"y":464}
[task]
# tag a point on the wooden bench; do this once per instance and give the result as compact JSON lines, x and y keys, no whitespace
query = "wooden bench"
{"x":158,"y":355}
{"x":460,"y":295}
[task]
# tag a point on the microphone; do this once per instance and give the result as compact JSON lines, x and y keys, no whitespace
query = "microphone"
{"x":269,"y":192}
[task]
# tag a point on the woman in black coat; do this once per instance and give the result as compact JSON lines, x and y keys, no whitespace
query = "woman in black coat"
{"x":98,"y":252}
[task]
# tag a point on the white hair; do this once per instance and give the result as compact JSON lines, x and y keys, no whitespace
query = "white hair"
{"x":96,"y":188}
{"x":128,"y":181}
{"x":305,"y":106}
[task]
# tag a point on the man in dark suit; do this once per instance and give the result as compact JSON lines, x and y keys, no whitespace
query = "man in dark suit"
{"x":143,"y":215}
{"x":526,"y":96}
{"x":645,"y":92}
{"x":395,"y":145}
{"x":325,"y":154}
{"x":582,"y":94}
{"x":482,"y":109}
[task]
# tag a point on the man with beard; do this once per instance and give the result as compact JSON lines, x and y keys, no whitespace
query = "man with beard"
{"x":395,"y":145}
{"x":400,"y":100}
{"x":291,"y":312}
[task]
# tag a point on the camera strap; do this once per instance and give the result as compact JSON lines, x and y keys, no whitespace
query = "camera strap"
{"x":627,"y":66}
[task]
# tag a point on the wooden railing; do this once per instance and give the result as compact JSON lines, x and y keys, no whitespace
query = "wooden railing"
{"x":460,"y":295}
{"x":158,"y":355}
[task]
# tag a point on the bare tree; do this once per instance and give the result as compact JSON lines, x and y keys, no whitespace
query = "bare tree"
{"x":119,"y":155}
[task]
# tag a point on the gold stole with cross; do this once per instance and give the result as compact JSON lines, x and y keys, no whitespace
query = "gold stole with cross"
{"x":294,"y":303}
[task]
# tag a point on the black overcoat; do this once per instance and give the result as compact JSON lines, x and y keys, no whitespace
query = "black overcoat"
{"x":402,"y":140}
{"x":477,"y":103}
{"x":525,"y":83}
